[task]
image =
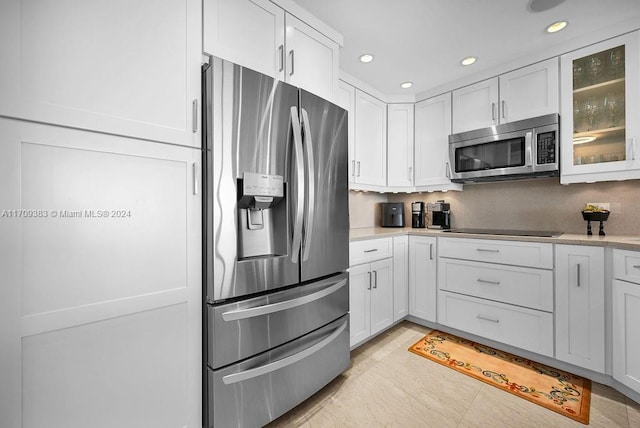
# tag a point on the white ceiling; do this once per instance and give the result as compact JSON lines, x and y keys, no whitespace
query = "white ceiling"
{"x":423,"y":41}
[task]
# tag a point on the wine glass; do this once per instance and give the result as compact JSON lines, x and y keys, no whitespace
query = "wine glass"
{"x":591,"y":109}
{"x":595,"y":67}
{"x":616,"y":62}
{"x":578,"y":74}
{"x":613,"y":104}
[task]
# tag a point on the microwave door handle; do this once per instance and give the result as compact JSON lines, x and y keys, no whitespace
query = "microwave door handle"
{"x":299,"y":169}
{"x":528,"y":161}
{"x":310,"y":190}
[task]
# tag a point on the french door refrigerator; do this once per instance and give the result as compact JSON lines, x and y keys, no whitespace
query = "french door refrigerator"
{"x":276,"y":247}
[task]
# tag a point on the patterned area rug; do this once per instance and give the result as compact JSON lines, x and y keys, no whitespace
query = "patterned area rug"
{"x":562,"y":392}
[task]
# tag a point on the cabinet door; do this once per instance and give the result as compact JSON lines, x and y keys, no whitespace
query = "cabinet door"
{"x":579,"y":312}
{"x":400,"y":277}
{"x":432,"y":129}
{"x":115,"y":66}
{"x":312,"y":59}
{"x":247,"y":32}
{"x":422,"y":277}
{"x":626,"y":330}
{"x":107,"y":277}
{"x":530,"y":91}
{"x":475,"y":106}
{"x":381,"y":295}
{"x":359,"y":303}
{"x":599,"y":110}
{"x":346,"y":100}
{"x":371,"y":140}
{"x":400,"y":145}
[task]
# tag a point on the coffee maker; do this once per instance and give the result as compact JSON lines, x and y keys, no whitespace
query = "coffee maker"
{"x":440,"y":215}
{"x":417,"y":215}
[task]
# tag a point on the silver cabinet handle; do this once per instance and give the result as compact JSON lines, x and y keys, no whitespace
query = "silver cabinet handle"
{"x":358,"y":175}
{"x":482,"y":317}
{"x":578,"y":272}
{"x":291,"y":55}
{"x":430,"y":251}
{"x":633,"y":149}
{"x":375,"y":279}
{"x":447,"y":171}
{"x":196,"y":178}
{"x":493,"y":111}
{"x":282,"y":306}
{"x":281,"y":57}
{"x":284,"y":362}
{"x":487,"y":250}
{"x":409,"y":175}
{"x":310,"y":188}
{"x":503,"y":108}
{"x":353,"y":168}
{"x":371,"y":251}
{"x":369,"y":287}
{"x":488,"y":281}
{"x":194,"y":112}
{"x":299,"y":169}
{"x":636,"y":266}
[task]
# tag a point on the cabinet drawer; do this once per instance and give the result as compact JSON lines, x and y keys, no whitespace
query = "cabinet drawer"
{"x":531,"y":254}
{"x":626,"y":265}
{"x":516,"y":326}
{"x":521,"y":286}
{"x":369,"y":250}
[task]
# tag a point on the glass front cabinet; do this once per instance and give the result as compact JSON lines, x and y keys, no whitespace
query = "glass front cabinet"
{"x":600,"y":111}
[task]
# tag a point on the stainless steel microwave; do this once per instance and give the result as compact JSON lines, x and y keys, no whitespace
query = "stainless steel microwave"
{"x":523,"y":149}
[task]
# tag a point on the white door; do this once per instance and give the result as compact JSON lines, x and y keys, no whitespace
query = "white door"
{"x":381,"y":295}
{"x":400,"y":277}
{"x":530,"y":91}
{"x":475,"y":106}
{"x":422,"y":277}
{"x":360,"y":282}
{"x":247,"y":32}
{"x":579,"y":289}
{"x":626,"y":331}
{"x":346,"y":100}
{"x":400,"y":145}
{"x":114,"y":66}
{"x":106,"y":287}
{"x":312,"y":59}
{"x":371,"y":140}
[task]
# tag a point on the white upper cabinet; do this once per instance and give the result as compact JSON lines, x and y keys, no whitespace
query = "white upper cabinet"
{"x":527,"y":92}
{"x":246,"y":32}
{"x":370,"y":140}
{"x":432,"y":129}
{"x":262,"y":36}
{"x":400,"y":145}
{"x":600,"y":109}
{"x":346,"y":99}
{"x":312,"y":59}
{"x":119,"y":67}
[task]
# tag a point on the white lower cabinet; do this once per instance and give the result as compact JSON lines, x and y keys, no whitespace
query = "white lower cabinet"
{"x":580,"y":306}
{"x":371,"y":291}
{"x":422,"y":277}
{"x":400,"y":277}
{"x":626,"y":318}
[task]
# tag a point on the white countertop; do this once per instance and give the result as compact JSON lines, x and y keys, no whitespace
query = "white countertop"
{"x":623,"y":242}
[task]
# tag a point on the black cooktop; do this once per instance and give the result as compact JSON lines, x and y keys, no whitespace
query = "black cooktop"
{"x":538,"y":233}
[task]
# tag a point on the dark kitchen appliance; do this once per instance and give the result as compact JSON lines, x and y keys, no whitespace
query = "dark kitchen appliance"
{"x":392,"y":214}
{"x":439,"y":215}
{"x":276,"y":245}
{"x":417,"y":215}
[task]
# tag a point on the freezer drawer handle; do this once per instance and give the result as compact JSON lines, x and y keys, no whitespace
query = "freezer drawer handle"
{"x":284,"y":362}
{"x":282,"y":306}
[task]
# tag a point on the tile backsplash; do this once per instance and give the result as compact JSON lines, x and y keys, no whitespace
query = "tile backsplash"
{"x":540,"y":204}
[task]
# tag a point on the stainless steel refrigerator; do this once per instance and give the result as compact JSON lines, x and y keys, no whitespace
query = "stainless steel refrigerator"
{"x":276,"y":246}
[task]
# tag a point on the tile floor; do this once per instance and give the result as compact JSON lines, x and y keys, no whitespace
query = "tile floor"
{"x":388,"y":386}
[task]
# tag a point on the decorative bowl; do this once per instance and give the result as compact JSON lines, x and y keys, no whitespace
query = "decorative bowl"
{"x":595,"y":215}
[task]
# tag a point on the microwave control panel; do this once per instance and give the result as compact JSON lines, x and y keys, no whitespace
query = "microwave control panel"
{"x":546,"y":147}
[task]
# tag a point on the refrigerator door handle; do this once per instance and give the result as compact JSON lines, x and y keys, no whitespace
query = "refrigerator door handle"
{"x":310,"y":188}
{"x":282,"y":306}
{"x":284,"y":362}
{"x":299,"y":168}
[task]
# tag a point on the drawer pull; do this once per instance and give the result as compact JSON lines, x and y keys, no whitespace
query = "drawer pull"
{"x":487,"y":250}
{"x":636,"y":266}
{"x":482,"y":317}
{"x":370,"y":251}
{"x":488,"y":281}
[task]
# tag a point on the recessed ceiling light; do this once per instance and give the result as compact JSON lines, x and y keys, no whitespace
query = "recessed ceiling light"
{"x":406,"y":85}
{"x":468,"y":60}
{"x":366,"y":58}
{"x":556,"y":26}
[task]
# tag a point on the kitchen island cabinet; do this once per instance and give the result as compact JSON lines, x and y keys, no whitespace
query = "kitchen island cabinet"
{"x":580,"y":306}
